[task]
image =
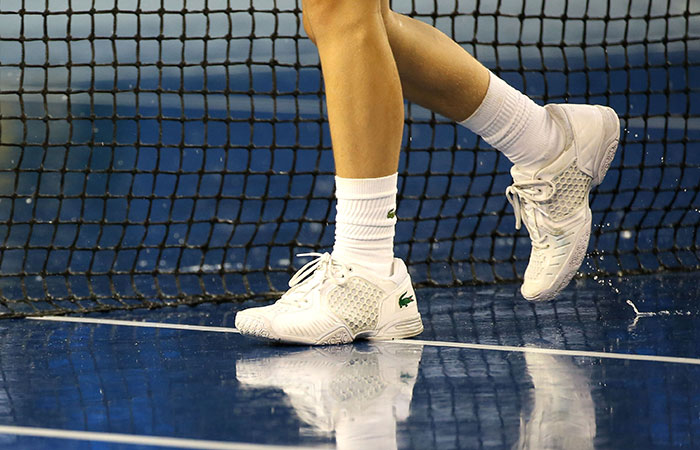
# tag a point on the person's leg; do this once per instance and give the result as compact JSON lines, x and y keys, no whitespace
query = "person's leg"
{"x":365,"y":114}
{"x":559,"y":152}
{"x":440,"y":75}
{"x":436,"y":72}
{"x":360,"y":290}
{"x":363,"y":90}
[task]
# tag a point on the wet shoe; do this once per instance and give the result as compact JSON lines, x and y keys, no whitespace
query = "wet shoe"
{"x":553,"y":201}
{"x":330,"y":302}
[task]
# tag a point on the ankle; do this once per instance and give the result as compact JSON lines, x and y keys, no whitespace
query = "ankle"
{"x":365,"y":222}
{"x":379,"y":261}
{"x":525,"y":132}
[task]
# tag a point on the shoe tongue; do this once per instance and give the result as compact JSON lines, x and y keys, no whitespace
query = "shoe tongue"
{"x":546,"y":172}
{"x":313,"y":279}
{"x":306,"y":284}
{"x":535,"y":218}
{"x":519,"y":174}
{"x":529,"y":219}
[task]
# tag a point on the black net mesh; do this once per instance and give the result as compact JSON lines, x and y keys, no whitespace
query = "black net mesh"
{"x":177,"y":152}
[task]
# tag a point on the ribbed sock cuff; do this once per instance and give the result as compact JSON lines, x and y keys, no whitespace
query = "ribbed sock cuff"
{"x":365,"y":221}
{"x":488,"y":114}
{"x":516,"y":126}
{"x":361,"y":188}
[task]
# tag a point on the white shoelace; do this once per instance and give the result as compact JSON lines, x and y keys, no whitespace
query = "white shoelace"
{"x":332,"y":269}
{"x":525,"y":197}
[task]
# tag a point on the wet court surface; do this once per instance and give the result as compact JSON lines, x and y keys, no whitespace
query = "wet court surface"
{"x":460,"y":385}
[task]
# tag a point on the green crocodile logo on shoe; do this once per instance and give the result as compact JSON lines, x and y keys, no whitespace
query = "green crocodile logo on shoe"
{"x":405,"y":300}
{"x":391,"y":214}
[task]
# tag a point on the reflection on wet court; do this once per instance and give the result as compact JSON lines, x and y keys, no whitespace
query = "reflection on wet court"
{"x":213,"y":386}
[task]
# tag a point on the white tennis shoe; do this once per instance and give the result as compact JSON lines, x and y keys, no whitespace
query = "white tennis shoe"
{"x":330,"y":302}
{"x":553,"y":202}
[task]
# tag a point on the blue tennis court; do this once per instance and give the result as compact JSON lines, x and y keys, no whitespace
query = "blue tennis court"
{"x":602,"y":377}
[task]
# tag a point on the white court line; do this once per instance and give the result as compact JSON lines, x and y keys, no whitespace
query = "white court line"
{"x":134,"y":439}
{"x":498,"y":348}
{"x":554,"y":351}
{"x":129,"y":323}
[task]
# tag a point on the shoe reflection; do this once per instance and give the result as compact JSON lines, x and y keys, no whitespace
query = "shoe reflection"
{"x":562,"y":414}
{"x":358,"y":392}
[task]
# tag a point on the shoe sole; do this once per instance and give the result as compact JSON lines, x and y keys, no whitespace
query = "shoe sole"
{"x":399,"y":329}
{"x":253,"y":327}
{"x":396,"y":330}
{"x":610,"y":145}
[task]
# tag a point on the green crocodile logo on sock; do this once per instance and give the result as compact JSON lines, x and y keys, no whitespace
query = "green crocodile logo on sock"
{"x":391,"y":214}
{"x":405,"y":300}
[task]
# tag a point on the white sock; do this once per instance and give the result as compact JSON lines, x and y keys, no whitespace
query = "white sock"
{"x":365,"y":221}
{"x":516,"y":126}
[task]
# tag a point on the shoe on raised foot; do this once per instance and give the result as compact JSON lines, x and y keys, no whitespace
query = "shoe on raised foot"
{"x":553,"y":201}
{"x":330,"y":302}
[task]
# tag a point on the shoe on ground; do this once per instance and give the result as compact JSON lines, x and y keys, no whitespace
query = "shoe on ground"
{"x":330,"y":302}
{"x":553,"y":202}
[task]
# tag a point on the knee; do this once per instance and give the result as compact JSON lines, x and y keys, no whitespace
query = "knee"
{"x":339,"y":18}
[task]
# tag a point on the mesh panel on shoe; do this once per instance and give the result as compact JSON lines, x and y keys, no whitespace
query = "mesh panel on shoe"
{"x":357,"y":303}
{"x":572,"y":187}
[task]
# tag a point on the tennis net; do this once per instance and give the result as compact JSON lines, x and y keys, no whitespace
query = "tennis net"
{"x":156,"y":153}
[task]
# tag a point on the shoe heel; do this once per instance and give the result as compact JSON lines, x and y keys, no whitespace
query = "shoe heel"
{"x":610,"y":144}
{"x":399,"y":330}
